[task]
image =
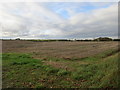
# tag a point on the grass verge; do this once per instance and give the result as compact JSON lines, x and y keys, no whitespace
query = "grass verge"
{"x":22,"y":71}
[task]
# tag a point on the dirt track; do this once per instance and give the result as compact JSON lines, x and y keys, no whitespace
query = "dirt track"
{"x":58,"y":49}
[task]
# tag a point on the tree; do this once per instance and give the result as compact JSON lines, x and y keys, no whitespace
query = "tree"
{"x":17,"y":39}
{"x":103,"y":39}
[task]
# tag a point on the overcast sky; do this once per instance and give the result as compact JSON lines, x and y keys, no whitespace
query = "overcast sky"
{"x":50,"y":20}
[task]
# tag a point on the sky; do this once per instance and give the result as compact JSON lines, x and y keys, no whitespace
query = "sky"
{"x":58,"y":20}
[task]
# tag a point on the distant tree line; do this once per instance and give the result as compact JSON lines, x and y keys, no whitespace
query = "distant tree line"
{"x":72,"y":40}
{"x":97,"y":39}
{"x":105,"y":39}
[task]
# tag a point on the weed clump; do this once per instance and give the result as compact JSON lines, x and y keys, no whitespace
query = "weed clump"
{"x":63,"y":72}
{"x":19,"y":63}
{"x":39,"y":86}
{"x":77,"y":76}
{"x":51,"y":70}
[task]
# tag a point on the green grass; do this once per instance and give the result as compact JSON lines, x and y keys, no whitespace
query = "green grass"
{"x":22,"y":71}
{"x":102,"y":74}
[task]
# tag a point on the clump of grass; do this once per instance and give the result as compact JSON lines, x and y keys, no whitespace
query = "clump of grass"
{"x":51,"y":70}
{"x":82,"y":75}
{"x":63,"y":72}
{"x":39,"y":86}
{"x":77,"y":76}
{"x":19,"y":63}
{"x":66,"y":83}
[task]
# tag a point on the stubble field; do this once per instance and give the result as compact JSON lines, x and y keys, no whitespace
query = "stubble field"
{"x":60,"y":64}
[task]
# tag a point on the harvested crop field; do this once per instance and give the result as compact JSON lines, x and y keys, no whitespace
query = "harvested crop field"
{"x":66,"y":50}
{"x":60,"y":64}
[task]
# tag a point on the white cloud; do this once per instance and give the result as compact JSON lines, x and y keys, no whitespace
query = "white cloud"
{"x":34,"y":20}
